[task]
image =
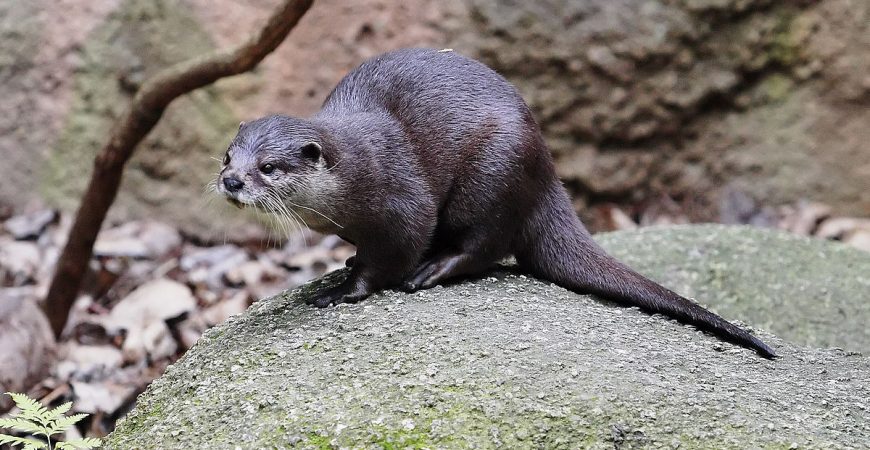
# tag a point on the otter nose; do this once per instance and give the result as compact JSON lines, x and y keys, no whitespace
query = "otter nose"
{"x":233,"y":184}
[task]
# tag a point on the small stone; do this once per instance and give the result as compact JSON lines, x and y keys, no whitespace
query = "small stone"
{"x":225,"y":309}
{"x":143,"y":240}
{"x":859,"y":239}
{"x":158,"y":341}
{"x":30,"y":226}
{"x":408,"y":424}
{"x":143,"y":314}
{"x":91,"y":359}
{"x":27,"y":346}
{"x":95,"y":397}
{"x":19,"y":262}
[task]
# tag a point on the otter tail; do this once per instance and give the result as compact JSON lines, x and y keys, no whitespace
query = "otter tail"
{"x":556,"y":246}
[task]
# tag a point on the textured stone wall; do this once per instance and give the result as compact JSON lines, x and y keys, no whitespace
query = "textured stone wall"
{"x":639,"y":98}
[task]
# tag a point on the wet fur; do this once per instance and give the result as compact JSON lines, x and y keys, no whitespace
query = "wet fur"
{"x":433,"y":165}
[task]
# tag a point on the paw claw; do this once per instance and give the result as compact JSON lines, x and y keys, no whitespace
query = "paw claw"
{"x":322,"y":302}
{"x":335,"y":296}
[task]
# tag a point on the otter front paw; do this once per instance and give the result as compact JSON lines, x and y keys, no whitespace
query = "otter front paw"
{"x":335,"y":296}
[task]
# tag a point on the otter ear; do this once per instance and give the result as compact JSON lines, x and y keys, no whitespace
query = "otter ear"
{"x":311,"y":150}
{"x":241,"y":124}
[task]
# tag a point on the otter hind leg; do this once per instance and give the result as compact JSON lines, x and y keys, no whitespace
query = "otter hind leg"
{"x":438,"y":269}
{"x":475,"y":254}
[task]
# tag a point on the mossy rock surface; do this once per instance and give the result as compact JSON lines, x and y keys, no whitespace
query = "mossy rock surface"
{"x":806,"y":291}
{"x":507,"y":361}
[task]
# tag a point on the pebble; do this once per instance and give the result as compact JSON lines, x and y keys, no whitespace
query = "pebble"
{"x":30,"y":226}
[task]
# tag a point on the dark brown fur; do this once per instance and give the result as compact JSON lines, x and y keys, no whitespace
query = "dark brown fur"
{"x":432,"y":164}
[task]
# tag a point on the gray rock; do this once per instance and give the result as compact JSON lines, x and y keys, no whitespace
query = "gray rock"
{"x":19,"y":262}
{"x":143,"y":315}
{"x":138,"y":239}
{"x":27,"y":347}
{"x":806,"y":291}
{"x":509,"y":361}
{"x":30,"y":226}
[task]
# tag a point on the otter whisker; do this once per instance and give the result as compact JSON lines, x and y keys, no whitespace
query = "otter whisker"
{"x":211,"y":186}
{"x":275,"y":214}
{"x":206,"y":198}
{"x":333,"y":167}
{"x":286,"y":218}
{"x":296,"y":217}
{"x":289,"y":211}
{"x":276,"y":223}
{"x":314,"y":211}
{"x":281,"y":211}
{"x":298,"y":186}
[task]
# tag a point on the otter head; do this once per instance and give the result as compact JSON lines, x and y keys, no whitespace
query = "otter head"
{"x":278,"y":165}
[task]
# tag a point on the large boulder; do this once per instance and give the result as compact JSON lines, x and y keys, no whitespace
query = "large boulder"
{"x":805,"y":291}
{"x":510,"y":361}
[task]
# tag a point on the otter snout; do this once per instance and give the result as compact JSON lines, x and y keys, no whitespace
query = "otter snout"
{"x":233,"y":184}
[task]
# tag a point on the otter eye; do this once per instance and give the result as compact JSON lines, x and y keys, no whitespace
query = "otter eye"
{"x":267,"y":168}
{"x":227,"y":158}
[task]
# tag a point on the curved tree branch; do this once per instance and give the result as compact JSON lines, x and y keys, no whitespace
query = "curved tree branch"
{"x":141,"y":116}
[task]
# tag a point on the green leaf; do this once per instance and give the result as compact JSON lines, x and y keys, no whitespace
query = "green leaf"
{"x":62,"y":424}
{"x":31,"y":409}
{"x":56,"y":412}
{"x":35,"y":418}
{"x":77,"y":444}
{"x":26,"y":442}
{"x":19,"y":424}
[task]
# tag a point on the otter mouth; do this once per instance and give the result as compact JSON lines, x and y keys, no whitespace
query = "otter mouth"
{"x":236,"y":203}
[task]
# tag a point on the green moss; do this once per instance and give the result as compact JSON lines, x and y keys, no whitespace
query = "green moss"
{"x":402,"y":439}
{"x":776,"y":87}
{"x":745,"y":276}
{"x":319,"y":442}
{"x":789,"y":38}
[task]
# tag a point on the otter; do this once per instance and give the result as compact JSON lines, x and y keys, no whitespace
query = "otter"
{"x":433,"y":166}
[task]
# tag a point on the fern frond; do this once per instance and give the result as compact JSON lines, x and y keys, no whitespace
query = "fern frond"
{"x":19,"y":424}
{"x":63,"y":423}
{"x":56,"y":412}
{"x":34,"y":418}
{"x":26,"y":442}
{"x":30,"y":409}
{"x":78,"y":444}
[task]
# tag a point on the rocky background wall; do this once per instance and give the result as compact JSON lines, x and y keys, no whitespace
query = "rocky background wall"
{"x":713,"y":108}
